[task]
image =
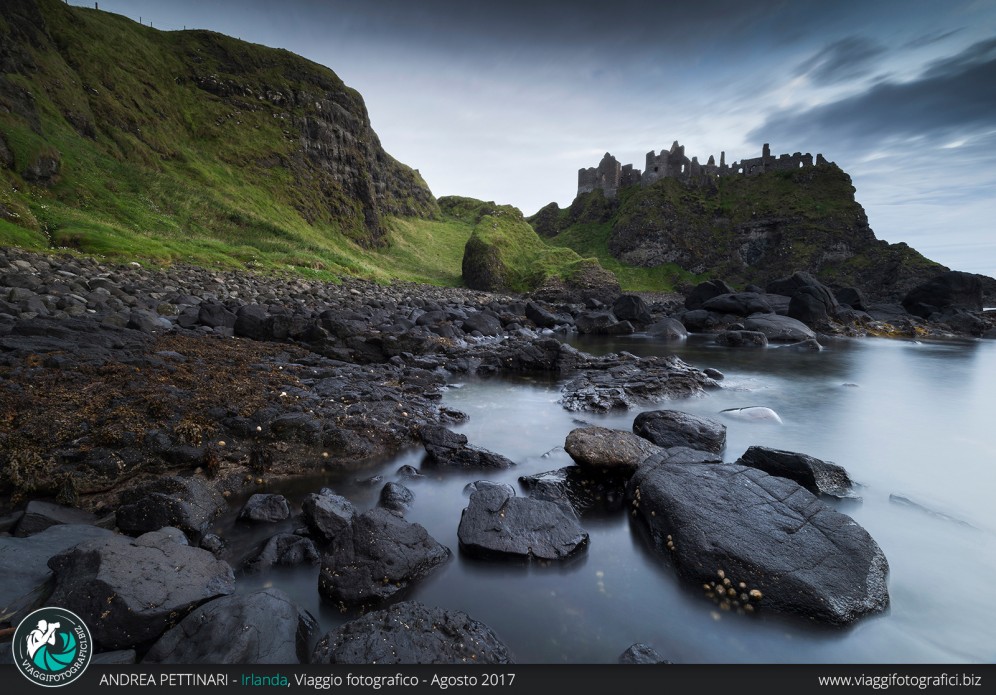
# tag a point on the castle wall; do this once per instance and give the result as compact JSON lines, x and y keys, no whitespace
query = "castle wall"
{"x":609,"y":176}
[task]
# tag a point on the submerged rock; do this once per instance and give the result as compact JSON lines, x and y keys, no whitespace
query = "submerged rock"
{"x":723,"y":525}
{"x":779,"y":328}
{"x":579,"y":490}
{"x":497,"y":524}
{"x":265,"y":508}
{"x":448,"y":449}
{"x":283,"y":550}
{"x":411,"y":633}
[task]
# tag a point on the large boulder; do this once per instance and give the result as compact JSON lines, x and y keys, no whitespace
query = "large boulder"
{"x":130,"y":590}
{"x":669,"y":428}
{"x":484,"y":322}
{"x":189,"y":504}
{"x":411,"y":633}
{"x":265,"y":507}
{"x":603,"y":448}
{"x":779,"y":329}
{"x":819,"y":477}
{"x":496,"y":523}
{"x":447,"y":449}
{"x":811,"y":301}
{"x":950,"y":290}
{"x":387,"y":555}
{"x":396,"y":497}
{"x":760,"y":541}
{"x":631,"y":307}
{"x":263,"y":627}
{"x":705,"y":291}
{"x":24,"y":565}
{"x":668,"y":329}
{"x":739,"y":303}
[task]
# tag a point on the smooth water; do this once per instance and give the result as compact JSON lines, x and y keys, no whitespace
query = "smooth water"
{"x":906,"y":419}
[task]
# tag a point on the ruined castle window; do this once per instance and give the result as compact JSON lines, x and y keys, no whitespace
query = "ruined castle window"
{"x":656,"y":169}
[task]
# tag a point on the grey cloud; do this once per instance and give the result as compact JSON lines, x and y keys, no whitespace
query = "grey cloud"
{"x":931,"y":38}
{"x":841,"y":60}
{"x":953,"y":96}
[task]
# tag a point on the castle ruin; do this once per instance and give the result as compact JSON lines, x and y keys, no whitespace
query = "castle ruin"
{"x":610,"y":176}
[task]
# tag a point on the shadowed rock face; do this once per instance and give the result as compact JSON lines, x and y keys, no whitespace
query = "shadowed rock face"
{"x":263,"y":627}
{"x":723,"y":525}
{"x":130,"y":591}
{"x":411,"y":633}
{"x":817,"y":476}
{"x":669,"y":428}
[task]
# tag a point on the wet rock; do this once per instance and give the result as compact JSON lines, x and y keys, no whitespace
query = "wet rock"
{"x":669,"y":428}
{"x":600,"y":448}
{"x":283,"y":550}
{"x":446,"y":448}
{"x":264,"y":627}
{"x":496,"y":524}
{"x":779,"y":328}
{"x":794,"y":553}
{"x":129,"y":591}
{"x":328,"y":515}
{"x":579,"y":491}
{"x":705,"y":291}
{"x":631,"y":307}
{"x":396,"y":498}
{"x":387,"y":555}
{"x":809,"y":345}
{"x":738,"y":303}
{"x":668,"y":329}
{"x":188,"y":504}
{"x":484,"y":322}
{"x":683,"y":454}
{"x":544,"y":318}
{"x":265,"y":508}
{"x":742,"y":339}
{"x":215,"y":315}
{"x":819,"y":477}
{"x":853,"y":297}
{"x":24,"y":565}
{"x":629,"y":382}
{"x":411,"y":633}
{"x":39,"y":516}
{"x":641,"y":653}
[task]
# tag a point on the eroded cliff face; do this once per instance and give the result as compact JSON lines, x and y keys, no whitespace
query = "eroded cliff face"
{"x":750,"y":230}
{"x":195,"y":102}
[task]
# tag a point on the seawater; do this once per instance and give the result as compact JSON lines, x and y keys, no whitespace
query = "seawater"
{"x":914,"y":423}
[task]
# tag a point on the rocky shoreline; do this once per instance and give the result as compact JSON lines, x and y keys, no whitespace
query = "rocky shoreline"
{"x":136,"y":402}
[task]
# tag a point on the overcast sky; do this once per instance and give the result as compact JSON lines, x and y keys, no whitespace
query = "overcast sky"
{"x":506,"y":100}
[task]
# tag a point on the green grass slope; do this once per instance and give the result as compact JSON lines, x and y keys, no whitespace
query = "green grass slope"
{"x":121,"y":140}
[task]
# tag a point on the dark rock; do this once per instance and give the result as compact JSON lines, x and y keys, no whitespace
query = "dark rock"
{"x":631,"y":307}
{"x":213,"y":543}
{"x":396,"y":498}
{"x":742,"y":339}
{"x":387,"y":555}
{"x":448,"y":449}
{"x":38,"y":516}
{"x":215,"y":315}
{"x":738,"y":303}
{"x":578,"y":490}
{"x":148,"y":321}
{"x":668,"y":329}
{"x":129,"y":591}
{"x":794,"y":553}
{"x":596,"y":322}
{"x":498,"y":524}
{"x":704,"y":291}
{"x":44,"y":169}
{"x":819,"y":477}
{"x":545,"y":318}
{"x":411,"y":633}
{"x":600,"y":447}
{"x":701,"y":320}
{"x":283,"y":550}
{"x":683,"y":454}
{"x":960,"y":321}
{"x":950,"y":290}
{"x":253,"y":321}
{"x":813,"y":305}
{"x":264,"y":627}
{"x":24,"y":565}
{"x":265,"y":507}
{"x":408,"y":472}
{"x":640,"y":653}
{"x":484,"y":322}
{"x":328,"y":515}
{"x":669,"y":428}
{"x":629,"y":382}
{"x":188,"y":504}
{"x":853,"y":297}
{"x":779,"y":328}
